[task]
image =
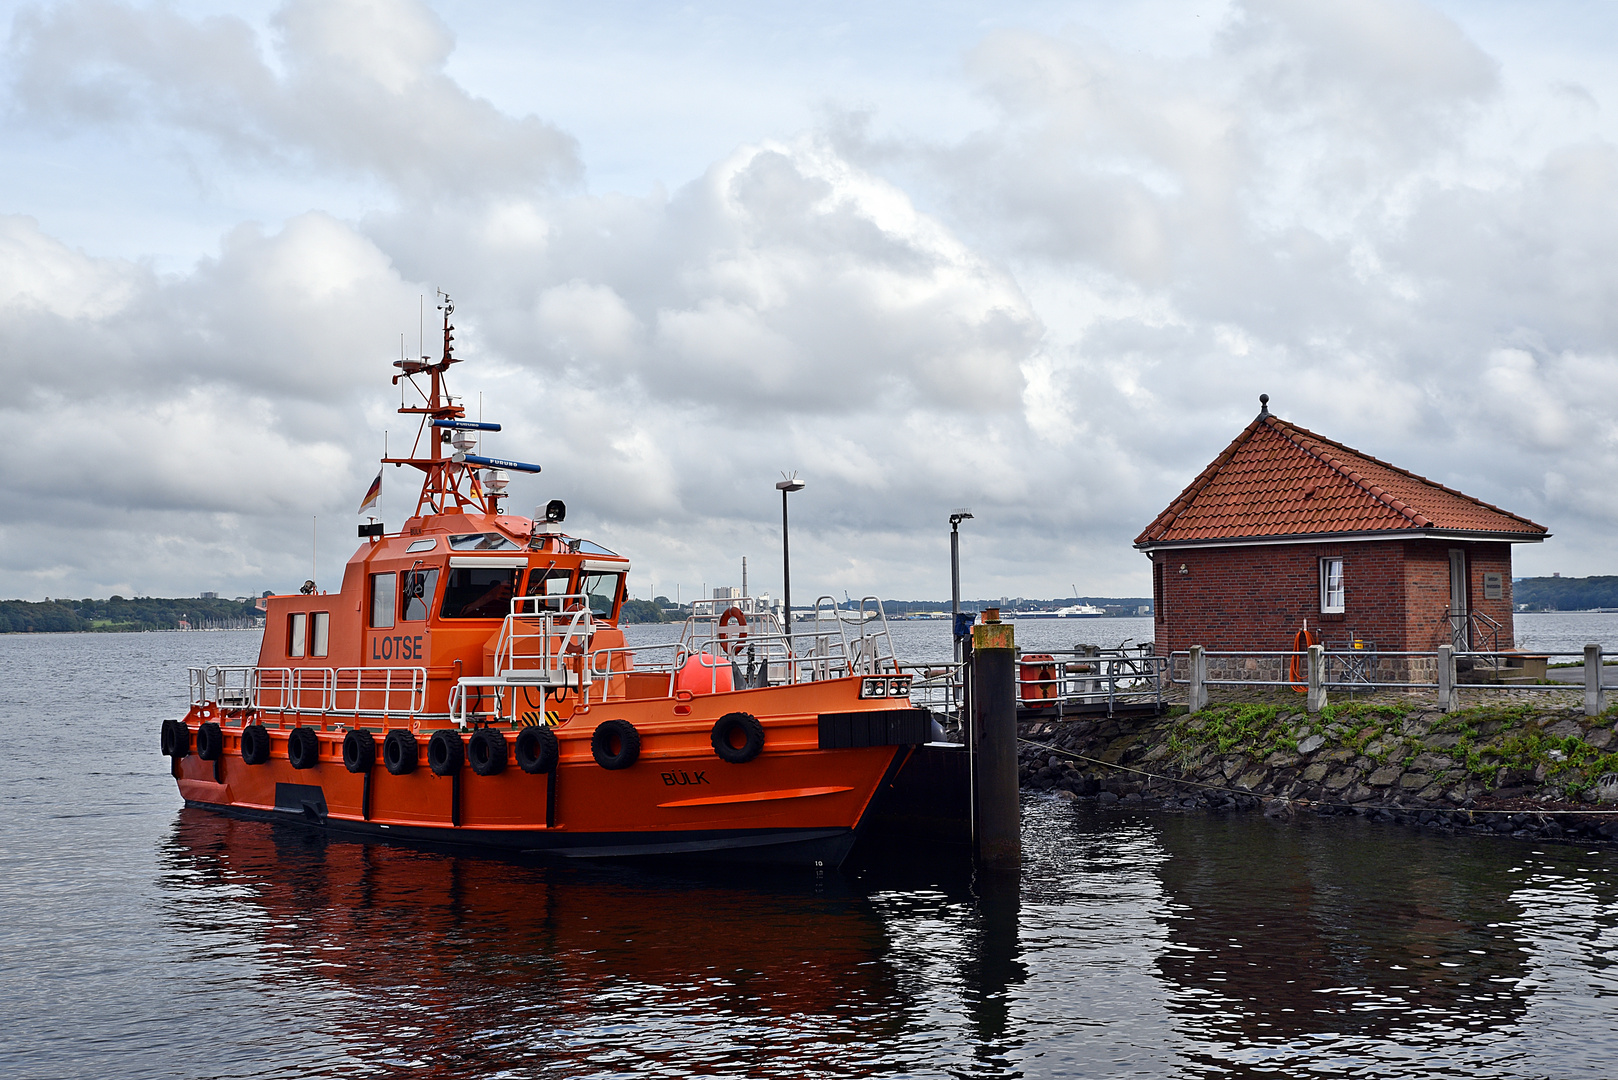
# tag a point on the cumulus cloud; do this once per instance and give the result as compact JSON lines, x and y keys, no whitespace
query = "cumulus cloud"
{"x":1057,"y":318}
{"x":353,"y":85}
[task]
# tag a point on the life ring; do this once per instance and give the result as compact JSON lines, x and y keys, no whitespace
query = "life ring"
{"x":303,"y":748}
{"x":486,"y":751}
{"x":446,"y":753}
{"x":176,"y":739}
{"x":359,"y":750}
{"x":399,"y":752}
{"x":725,"y":730}
{"x":1298,"y":668}
{"x":210,"y":742}
{"x":255,"y":744}
{"x":732,"y":631}
{"x":624,"y":734}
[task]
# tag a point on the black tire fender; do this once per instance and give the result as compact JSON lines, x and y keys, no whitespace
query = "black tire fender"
{"x":255,"y":744}
{"x":537,"y":750}
{"x":486,"y":752}
{"x":609,"y":732}
{"x":446,"y":753}
{"x":400,"y":753}
{"x":210,"y":742}
{"x":359,"y":750}
{"x":176,"y":739}
{"x":725,"y":730}
{"x":303,"y":748}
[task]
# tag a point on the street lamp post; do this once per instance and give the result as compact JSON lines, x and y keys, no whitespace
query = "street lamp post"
{"x":955,"y":519}
{"x":788,"y":483}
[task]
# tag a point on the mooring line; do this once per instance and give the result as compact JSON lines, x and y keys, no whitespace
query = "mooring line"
{"x":1284,"y":799}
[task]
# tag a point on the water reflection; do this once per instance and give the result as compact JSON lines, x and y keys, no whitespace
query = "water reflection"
{"x":1148,"y":945}
{"x":1284,"y":938}
{"x":466,"y":965}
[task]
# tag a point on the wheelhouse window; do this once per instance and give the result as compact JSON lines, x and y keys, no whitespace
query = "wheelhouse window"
{"x":297,"y":629}
{"x":382,"y":590}
{"x":419,"y":588}
{"x":602,"y":591}
{"x":548,"y":583}
{"x":479,"y":592}
{"x":1332,"y":593}
{"x":481,"y":542}
{"x":319,"y":633}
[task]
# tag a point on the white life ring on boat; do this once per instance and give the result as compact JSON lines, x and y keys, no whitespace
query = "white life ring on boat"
{"x":732,"y":631}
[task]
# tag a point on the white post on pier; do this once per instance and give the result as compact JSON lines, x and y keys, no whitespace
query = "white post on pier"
{"x":1316,"y":699}
{"x":1595,"y":698}
{"x":1197,"y":697}
{"x":1446,"y":678}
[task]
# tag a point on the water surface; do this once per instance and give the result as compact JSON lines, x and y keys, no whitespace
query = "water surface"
{"x":144,"y":940}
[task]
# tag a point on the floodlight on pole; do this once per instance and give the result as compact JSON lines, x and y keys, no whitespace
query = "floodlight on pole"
{"x":785,"y":485}
{"x":955,"y":519}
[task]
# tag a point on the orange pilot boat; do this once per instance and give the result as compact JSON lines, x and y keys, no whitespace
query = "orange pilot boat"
{"x":470,"y":685}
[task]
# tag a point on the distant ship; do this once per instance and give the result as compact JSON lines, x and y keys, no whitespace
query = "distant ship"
{"x":1073,"y":611}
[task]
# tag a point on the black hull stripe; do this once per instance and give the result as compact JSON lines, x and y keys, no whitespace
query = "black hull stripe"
{"x":801,"y":847}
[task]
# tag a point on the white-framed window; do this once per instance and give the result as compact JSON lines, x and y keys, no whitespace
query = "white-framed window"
{"x":297,"y":627}
{"x":319,"y":633}
{"x":1331,"y":586}
{"x":383,"y":587}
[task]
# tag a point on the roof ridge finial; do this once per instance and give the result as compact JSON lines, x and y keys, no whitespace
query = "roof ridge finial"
{"x":1263,"y":406}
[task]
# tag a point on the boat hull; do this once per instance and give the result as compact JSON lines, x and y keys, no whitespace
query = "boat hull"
{"x":778,"y":847}
{"x":803,"y":800}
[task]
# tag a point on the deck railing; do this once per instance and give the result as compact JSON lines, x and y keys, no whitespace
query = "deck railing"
{"x":340,"y":693}
{"x":1320,"y":670}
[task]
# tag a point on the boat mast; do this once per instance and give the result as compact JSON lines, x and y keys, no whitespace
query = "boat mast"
{"x":445,"y":478}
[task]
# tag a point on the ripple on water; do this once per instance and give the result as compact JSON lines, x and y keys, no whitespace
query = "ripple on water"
{"x":147,"y":940}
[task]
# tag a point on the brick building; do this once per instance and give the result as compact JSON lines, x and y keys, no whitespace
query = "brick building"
{"x":1286,"y":528}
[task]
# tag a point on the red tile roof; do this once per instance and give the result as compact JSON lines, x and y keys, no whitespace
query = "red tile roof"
{"x":1277,"y":479}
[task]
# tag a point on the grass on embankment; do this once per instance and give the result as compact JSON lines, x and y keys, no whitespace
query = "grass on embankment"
{"x":1483,"y":740}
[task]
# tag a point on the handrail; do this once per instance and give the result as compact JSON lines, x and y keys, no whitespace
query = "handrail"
{"x":370,"y":692}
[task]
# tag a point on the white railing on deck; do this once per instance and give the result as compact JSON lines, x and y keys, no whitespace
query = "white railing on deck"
{"x":311,"y":691}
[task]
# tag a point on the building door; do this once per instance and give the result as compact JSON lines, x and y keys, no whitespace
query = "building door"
{"x":1459,"y":620}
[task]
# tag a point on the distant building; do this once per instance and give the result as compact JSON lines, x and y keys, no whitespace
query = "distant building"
{"x":1287,"y":528}
{"x":210,"y":596}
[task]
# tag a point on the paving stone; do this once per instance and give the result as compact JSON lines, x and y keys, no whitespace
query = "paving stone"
{"x":1565,"y":728}
{"x":1385,"y":776}
{"x":1316,"y":772}
{"x":1281,"y":760}
{"x":1412,"y":781}
{"x":1442,"y":742}
{"x":1311,"y":744}
{"x":1599,"y":738}
{"x":1432,"y":762}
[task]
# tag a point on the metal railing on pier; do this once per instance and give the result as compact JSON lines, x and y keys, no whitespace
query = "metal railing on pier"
{"x":1090,"y":679}
{"x":1357,"y":670}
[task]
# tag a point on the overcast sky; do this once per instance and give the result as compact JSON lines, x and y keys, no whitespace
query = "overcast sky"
{"x":1036,"y":259}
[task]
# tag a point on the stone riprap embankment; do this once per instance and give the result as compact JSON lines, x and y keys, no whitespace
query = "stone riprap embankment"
{"x":1507,"y":767}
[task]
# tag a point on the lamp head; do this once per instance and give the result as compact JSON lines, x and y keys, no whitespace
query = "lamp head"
{"x":789,"y":483}
{"x":958,"y":516}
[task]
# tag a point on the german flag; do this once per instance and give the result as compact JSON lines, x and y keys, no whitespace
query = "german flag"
{"x":372,"y":494}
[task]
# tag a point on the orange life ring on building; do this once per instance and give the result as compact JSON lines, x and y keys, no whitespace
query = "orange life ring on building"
{"x":1297,"y":669}
{"x":732,"y":631}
